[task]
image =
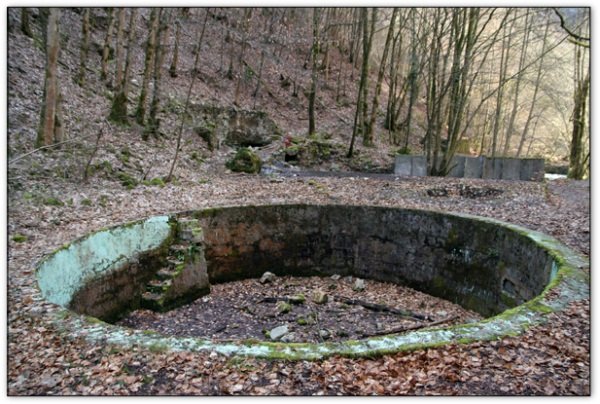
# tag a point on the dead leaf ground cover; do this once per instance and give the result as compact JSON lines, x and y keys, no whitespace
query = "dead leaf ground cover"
{"x":553,"y":358}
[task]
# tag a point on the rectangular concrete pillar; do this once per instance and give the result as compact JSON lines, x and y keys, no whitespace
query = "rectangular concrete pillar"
{"x":419,"y":166}
{"x":511,"y":168}
{"x":532,"y":169}
{"x":473,"y":167}
{"x":403,"y":165}
{"x":457,"y":167}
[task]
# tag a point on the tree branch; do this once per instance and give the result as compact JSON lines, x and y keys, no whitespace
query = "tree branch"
{"x":568,"y":31}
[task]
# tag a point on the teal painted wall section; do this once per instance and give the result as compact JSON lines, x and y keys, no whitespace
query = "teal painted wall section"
{"x":67,"y":270}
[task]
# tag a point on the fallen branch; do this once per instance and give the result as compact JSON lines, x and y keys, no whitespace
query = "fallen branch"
{"x":397,"y":330}
{"x":276,"y":299}
{"x":381,"y":307}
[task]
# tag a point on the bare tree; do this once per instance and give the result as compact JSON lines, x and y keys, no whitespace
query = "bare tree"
{"x":107,"y":43}
{"x":25,"y":25}
{"x":515,"y":107}
{"x":175,"y":59}
{"x":148,"y":66}
{"x":50,"y":128}
{"x":314,"y":75}
{"x":375,"y":103}
{"x":118,"y":111}
{"x":153,"y":121}
{"x":85,"y":46}
{"x":187,"y":98}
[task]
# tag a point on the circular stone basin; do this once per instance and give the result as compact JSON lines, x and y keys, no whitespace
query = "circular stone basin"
{"x":512,"y":276}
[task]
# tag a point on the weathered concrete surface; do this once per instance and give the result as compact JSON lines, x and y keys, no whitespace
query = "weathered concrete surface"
{"x":506,"y":168}
{"x":473,"y":167}
{"x":483,"y":267}
{"x":118,"y":256}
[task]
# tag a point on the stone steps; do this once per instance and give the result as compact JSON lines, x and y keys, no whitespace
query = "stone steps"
{"x":184,"y":276}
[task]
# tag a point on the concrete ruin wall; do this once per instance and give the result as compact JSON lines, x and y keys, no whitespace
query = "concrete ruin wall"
{"x":481,"y":266}
{"x":504,"y":168}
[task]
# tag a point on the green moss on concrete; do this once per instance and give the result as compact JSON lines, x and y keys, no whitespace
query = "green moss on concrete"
{"x":19,"y":238}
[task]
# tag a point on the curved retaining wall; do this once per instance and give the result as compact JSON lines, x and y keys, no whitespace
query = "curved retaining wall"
{"x":482,"y":264}
{"x":477,"y":264}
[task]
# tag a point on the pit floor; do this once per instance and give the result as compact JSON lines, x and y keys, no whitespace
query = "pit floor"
{"x":247,"y":309}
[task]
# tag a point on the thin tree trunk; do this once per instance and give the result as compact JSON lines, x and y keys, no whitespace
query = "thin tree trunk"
{"x":364,"y":17}
{"x":187,"y":98}
{"x":25,"y":25}
{"x":85,"y":46}
{"x":148,"y":65}
{"x":535,"y":92}
{"x":153,"y":121}
{"x":314,"y":76}
{"x":382,"y":65}
{"x":576,"y":157}
{"x":130,"y":44}
{"x":241,"y":74}
{"x":118,"y":112}
{"x":174,"y":61}
{"x":47,"y":133}
{"x":501,"y":81}
{"x":367,"y":137}
{"x":258,"y":81}
{"x":513,"y":114}
{"x":119,"y":51}
{"x":107,"y":43}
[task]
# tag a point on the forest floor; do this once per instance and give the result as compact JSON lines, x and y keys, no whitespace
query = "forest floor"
{"x":553,"y":358}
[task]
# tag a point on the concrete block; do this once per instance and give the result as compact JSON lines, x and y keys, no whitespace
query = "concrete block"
{"x":532,"y":169}
{"x":419,"y":166}
{"x":492,"y":168}
{"x":473,"y":167}
{"x":457,"y":167}
{"x":511,"y":168}
{"x":403,"y":165}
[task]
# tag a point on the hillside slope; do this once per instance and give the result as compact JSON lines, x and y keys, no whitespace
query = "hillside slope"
{"x":121,"y":148}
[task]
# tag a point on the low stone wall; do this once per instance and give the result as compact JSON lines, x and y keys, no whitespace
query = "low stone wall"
{"x":505,"y":168}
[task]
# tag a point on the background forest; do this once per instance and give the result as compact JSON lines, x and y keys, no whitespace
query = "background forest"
{"x":109,"y":92}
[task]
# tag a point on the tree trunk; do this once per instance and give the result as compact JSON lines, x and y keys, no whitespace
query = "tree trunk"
{"x":49,"y":129}
{"x":259,"y":79}
{"x":515,"y":107}
{"x":364,"y":12}
{"x":148,"y":64}
{"x":367,"y":137}
{"x":382,"y":65}
{"x":25,"y":26}
{"x":174,"y":61}
{"x":187,"y":98}
{"x":107,"y":44}
{"x":130,"y":44}
{"x":118,"y":112}
{"x":159,"y":55}
{"x":506,"y":42}
{"x":314,"y":76}
{"x":576,"y":159}
{"x":241,"y":73}
{"x":85,"y":46}
{"x":119,"y":51}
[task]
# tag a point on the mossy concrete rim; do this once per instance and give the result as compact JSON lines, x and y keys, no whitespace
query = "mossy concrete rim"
{"x":570,"y":283}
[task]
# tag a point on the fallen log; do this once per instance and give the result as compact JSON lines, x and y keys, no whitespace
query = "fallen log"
{"x":397,"y":330}
{"x":381,"y":308}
